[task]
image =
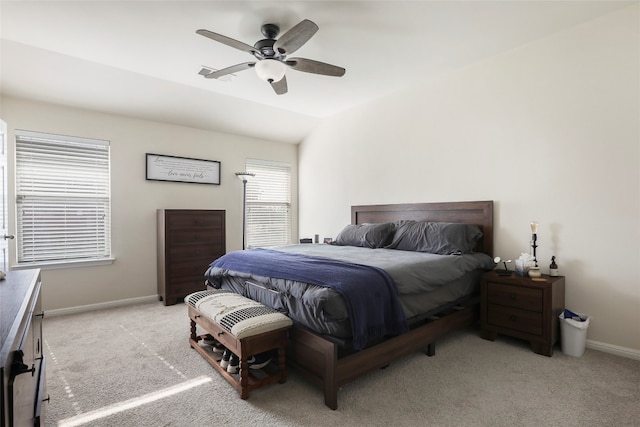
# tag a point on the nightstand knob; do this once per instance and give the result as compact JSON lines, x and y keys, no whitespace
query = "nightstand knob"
{"x":513,"y":297}
{"x":513,"y":318}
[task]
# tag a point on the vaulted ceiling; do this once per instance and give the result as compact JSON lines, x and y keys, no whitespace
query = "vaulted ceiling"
{"x":142,"y":58}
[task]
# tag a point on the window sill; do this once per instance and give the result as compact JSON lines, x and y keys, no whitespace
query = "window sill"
{"x":63,"y":264}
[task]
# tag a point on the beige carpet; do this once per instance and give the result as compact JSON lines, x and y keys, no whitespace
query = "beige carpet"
{"x":132,"y":366}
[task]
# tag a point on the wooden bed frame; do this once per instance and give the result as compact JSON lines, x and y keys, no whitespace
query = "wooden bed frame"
{"x":318,"y":359}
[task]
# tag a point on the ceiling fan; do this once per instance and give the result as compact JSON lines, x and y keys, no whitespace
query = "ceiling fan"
{"x":271,"y":55}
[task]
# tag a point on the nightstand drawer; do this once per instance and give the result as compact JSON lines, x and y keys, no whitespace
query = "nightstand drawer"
{"x":515,"y":296}
{"x":512,"y":318}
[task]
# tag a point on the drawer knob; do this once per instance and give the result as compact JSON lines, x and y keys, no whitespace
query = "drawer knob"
{"x":513,"y":318}
{"x":512,"y":297}
{"x":220,"y":333}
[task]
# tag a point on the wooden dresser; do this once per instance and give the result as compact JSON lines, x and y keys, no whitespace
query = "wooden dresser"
{"x":22,"y":361}
{"x":188,"y":241}
{"x":522,"y":307}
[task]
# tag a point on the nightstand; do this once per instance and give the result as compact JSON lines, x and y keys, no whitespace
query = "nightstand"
{"x":523,"y":308}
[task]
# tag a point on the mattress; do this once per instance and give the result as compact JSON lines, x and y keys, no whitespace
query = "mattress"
{"x":424,"y":283}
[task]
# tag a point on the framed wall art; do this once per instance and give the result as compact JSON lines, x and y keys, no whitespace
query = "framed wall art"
{"x":182,"y":169}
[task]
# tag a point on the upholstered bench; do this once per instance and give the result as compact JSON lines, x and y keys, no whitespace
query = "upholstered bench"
{"x":246,"y":328}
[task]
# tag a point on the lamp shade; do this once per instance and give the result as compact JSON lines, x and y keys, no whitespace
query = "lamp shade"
{"x":245,"y":176}
{"x":270,"y":70}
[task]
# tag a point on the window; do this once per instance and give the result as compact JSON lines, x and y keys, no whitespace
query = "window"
{"x":62,"y":199}
{"x":268,"y":204}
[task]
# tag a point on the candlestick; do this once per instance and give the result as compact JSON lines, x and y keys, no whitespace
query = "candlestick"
{"x":534,"y":240}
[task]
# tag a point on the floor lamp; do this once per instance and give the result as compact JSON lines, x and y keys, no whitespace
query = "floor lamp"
{"x":244,"y":177}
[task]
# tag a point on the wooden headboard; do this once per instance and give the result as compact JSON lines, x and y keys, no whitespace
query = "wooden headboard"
{"x":478,"y":213}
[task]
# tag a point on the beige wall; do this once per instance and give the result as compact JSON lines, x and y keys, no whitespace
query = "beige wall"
{"x":549,"y":132}
{"x":135,"y":200}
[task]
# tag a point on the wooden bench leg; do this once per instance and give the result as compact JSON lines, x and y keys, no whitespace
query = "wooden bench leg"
{"x":193,"y":331}
{"x":244,"y":378}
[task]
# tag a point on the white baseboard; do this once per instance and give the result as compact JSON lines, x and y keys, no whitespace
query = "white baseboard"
{"x":100,"y":306}
{"x":629,"y":353}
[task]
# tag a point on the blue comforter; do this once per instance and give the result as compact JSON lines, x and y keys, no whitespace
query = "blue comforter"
{"x":369,"y":292}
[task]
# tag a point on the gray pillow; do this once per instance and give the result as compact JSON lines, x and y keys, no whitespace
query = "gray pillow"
{"x":443,"y":238}
{"x":365,"y":235}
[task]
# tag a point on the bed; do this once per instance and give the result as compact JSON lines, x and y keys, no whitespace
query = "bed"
{"x":336,"y":347}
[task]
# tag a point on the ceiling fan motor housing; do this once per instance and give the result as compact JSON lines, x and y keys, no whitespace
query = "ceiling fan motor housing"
{"x":265,"y":46}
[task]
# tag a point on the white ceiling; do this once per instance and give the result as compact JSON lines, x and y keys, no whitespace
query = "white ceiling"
{"x":142,"y":58}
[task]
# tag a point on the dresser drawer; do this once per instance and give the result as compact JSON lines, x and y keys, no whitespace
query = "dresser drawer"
{"x":187,"y":270}
{"x":520,"y":320}
{"x":515,"y":296}
{"x":176,"y":221}
{"x":194,"y":236}
{"x":208,"y":252}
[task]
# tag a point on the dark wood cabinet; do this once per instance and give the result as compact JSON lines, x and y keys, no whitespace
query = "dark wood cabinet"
{"x":522,"y":307}
{"x":188,"y":241}
{"x":22,"y":360}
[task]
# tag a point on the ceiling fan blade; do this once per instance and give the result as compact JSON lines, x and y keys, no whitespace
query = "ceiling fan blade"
{"x":315,"y":67}
{"x":293,"y":39}
{"x":230,"y":70}
{"x":280,"y":87}
{"x":228,"y":41}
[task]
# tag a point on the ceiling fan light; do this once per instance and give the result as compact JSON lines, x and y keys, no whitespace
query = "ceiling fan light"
{"x":270,"y":70}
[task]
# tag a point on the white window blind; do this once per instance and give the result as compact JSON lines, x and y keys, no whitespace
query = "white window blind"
{"x":62,"y":199}
{"x":268,"y":204}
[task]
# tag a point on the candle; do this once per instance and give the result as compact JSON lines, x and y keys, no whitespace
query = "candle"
{"x":534,"y":239}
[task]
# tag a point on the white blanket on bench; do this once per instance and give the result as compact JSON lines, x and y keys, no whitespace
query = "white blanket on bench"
{"x":240,"y":316}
